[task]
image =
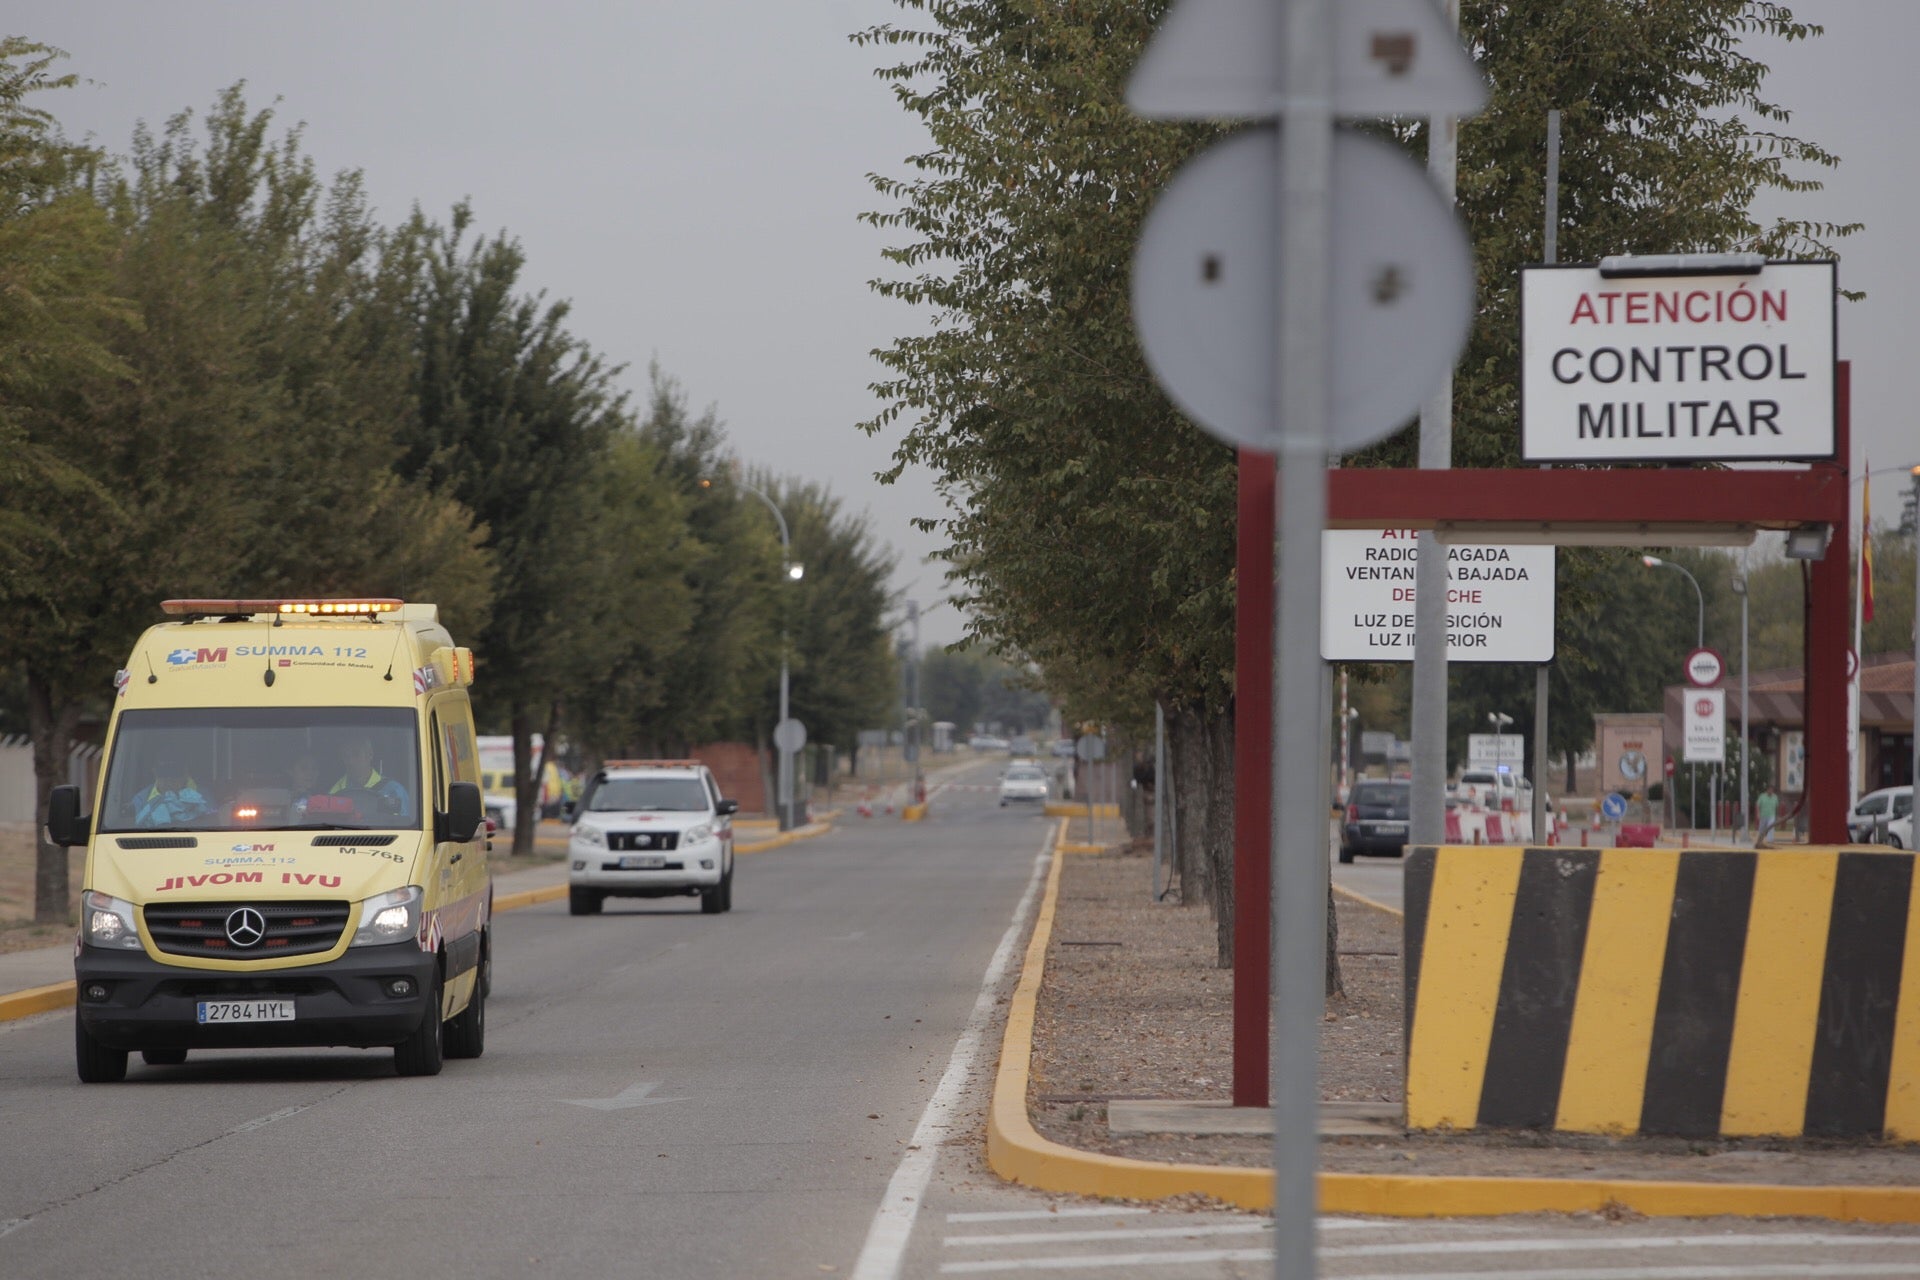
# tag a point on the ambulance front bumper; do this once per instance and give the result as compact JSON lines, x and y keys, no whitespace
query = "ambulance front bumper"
{"x":369,"y":996}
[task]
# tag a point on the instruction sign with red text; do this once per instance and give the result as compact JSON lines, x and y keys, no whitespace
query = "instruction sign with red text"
{"x":1666,"y":368}
{"x":1499,"y":599}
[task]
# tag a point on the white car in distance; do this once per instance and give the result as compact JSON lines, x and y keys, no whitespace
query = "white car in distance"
{"x":1023,"y":782}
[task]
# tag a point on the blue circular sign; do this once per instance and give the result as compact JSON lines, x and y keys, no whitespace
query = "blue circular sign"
{"x":1613,"y":806}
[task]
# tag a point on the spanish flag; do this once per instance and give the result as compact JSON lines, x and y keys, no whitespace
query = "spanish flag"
{"x":1866,"y":552}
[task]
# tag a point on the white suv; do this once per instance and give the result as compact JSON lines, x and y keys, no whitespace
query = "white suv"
{"x":651,"y":829}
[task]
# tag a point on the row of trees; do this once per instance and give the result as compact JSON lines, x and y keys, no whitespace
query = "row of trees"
{"x":219,"y":376}
{"x":1089,"y":527}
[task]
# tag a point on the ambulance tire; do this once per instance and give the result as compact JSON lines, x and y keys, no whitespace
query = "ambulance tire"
{"x":163,"y":1057}
{"x":585,"y":902}
{"x":466,"y":1034}
{"x":97,"y":1063}
{"x":423,"y":1052}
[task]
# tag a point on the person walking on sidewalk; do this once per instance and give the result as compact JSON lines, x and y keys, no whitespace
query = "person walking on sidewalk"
{"x":1767,"y":810}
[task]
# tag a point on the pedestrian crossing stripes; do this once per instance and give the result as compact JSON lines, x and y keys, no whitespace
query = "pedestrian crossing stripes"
{"x":1076,"y":1240}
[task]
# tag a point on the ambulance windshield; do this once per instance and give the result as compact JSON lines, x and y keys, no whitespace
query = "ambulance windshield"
{"x":263,"y":768}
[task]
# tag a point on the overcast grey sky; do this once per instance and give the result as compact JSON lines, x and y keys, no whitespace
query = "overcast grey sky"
{"x":689,"y":175}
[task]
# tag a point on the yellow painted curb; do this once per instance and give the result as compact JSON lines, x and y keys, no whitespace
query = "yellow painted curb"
{"x":1079,"y":848}
{"x":807,"y":832}
{"x":24,"y":1004}
{"x":1017,"y":1152}
{"x":529,"y":897}
{"x":1068,"y":809}
{"x":913,"y":813}
{"x":1365,"y":901}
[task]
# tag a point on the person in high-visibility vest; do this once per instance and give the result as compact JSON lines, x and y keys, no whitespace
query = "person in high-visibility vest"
{"x":173,"y":798}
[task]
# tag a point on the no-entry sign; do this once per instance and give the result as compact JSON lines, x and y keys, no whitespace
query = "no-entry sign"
{"x":1673,"y":368}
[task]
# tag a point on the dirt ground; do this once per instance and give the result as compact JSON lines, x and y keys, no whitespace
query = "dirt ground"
{"x":19,"y":933}
{"x":1132,"y":1006}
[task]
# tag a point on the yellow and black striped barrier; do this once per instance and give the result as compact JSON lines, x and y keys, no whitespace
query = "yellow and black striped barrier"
{"x":1698,"y":992}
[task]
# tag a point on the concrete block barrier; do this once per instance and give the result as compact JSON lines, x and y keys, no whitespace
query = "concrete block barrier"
{"x":1699,"y":993}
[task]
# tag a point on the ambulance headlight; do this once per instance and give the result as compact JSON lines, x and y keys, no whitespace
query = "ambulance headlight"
{"x":694,"y":835}
{"x":389,"y":917}
{"x":110,"y":922}
{"x":590,"y":835}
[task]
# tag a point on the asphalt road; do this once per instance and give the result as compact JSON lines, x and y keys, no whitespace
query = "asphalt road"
{"x":795,"y":1089}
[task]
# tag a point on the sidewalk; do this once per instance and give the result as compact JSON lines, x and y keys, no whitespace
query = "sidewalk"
{"x":1120,"y":1006}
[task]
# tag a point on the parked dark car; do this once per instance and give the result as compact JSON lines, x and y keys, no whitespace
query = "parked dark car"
{"x":1377,"y":814}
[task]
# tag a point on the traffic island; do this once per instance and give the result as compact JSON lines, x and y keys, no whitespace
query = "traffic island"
{"x":1121,"y":1009}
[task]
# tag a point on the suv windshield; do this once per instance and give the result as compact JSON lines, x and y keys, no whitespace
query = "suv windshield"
{"x":628,"y":794}
{"x":263,"y":768}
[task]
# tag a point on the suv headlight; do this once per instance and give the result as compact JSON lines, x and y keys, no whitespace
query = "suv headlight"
{"x":388,"y":917}
{"x":590,"y":835}
{"x":694,"y":835}
{"x":110,"y":922}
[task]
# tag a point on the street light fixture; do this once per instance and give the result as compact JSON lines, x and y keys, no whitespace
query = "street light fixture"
{"x":794,"y":571}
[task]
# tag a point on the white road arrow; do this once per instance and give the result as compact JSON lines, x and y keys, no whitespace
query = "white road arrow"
{"x":634,"y":1095}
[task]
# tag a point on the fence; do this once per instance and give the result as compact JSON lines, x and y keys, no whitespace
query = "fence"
{"x":16,"y":776}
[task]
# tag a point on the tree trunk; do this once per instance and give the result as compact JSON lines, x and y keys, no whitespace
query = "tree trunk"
{"x":52,"y":733}
{"x":526,"y":792}
{"x":1200,"y":752}
{"x":1334,"y":985}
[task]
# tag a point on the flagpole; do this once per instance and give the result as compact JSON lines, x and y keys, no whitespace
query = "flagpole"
{"x":1859,"y":661}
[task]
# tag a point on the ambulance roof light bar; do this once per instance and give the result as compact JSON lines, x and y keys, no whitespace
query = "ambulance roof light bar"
{"x":349,"y":606}
{"x":1682,"y":264}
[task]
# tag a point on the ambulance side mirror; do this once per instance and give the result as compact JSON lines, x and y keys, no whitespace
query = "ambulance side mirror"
{"x":461,"y":822}
{"x":65,"y":826}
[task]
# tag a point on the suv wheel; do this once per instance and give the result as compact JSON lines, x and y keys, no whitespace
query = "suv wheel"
{"x":584,"y":902}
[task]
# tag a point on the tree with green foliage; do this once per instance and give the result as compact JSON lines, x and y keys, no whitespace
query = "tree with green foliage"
{"x":712,"y":685}
{"x":833,"y":619}
{"x":514,"y":417}
{"x":1088,"y":526}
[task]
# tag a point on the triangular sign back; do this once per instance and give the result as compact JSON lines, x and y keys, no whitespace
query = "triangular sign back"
{"x":1222,"y":59}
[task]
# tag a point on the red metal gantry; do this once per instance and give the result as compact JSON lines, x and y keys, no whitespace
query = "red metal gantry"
{"x":1571,"y":505}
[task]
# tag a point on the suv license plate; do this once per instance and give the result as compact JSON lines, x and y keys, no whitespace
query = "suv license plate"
{"x":642,"y":864}
{"x":245,"y":1011}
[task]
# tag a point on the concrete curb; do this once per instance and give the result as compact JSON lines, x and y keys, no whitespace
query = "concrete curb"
{"x":1017,"y":1152}
{"x":1365,"y":901}
{"x":60,"y":995}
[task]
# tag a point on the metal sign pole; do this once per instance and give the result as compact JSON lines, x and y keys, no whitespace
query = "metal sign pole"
{"x":1301,"y":401}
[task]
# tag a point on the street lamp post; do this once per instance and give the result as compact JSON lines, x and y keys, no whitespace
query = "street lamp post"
{"x":1740,"y":589}
{"x":792,"y":572}
{"x":1499,"y":720}
{"x":1699,"y":642}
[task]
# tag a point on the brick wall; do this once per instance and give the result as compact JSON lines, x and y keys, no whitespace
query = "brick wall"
{"x":737,"y":768}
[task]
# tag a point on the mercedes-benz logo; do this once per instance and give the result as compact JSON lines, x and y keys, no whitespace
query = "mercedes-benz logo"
{"x":245,"y":927}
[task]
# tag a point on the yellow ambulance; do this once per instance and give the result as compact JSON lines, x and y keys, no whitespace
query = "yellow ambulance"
{"x":285,"y":848}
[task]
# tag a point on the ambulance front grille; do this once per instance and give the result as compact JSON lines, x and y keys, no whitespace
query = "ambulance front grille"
{"x":291,"y":928}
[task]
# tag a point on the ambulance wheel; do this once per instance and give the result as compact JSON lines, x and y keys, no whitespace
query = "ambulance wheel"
{"x":163,"y":1057}
{"x":422,"y":1053}
{"x":466,"y":1034}
{"x":97,"y":1063}
{"x":585,"y":902}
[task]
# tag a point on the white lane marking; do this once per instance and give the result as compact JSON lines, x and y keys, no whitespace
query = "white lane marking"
{"x":1117,"y":1234}
{"x":1525,"y":1244}
{"x":886,"y":1246}
{"x":1731,"y":1271}
{"x":261,"y":1122}
{"x":1097,"y":1261}
{"x":634,"y":1095}
{"x":1041,"y":1215}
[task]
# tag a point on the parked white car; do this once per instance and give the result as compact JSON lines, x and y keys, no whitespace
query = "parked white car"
{"x":1876,"y":818}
